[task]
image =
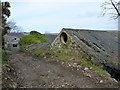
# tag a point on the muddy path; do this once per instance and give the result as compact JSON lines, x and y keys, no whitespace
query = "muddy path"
{"x":44,"y":72}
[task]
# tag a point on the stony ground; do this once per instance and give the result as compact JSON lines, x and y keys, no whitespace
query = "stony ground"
{"x":33,"y":72}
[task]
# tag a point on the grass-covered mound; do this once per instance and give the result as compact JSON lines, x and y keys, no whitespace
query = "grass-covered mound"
{"x":34,"y":38}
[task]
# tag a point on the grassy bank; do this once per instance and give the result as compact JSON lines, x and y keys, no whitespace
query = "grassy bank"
{"x":82,"y":59}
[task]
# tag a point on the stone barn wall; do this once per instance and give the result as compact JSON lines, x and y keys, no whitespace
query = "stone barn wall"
{"x":95,"y":47}
{"x":13,"y":46}
{"x":66,"y":47}
{"x":76,"y":44}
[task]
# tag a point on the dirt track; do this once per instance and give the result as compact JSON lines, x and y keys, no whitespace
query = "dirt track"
{"x":44,"y":72}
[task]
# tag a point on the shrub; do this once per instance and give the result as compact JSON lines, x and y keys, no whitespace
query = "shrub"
{"x":35,"y":33}
{"x":34,"y":38}
{"x":28,"y":39}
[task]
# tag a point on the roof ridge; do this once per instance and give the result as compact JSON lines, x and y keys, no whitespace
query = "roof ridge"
{"x":84,"y":30}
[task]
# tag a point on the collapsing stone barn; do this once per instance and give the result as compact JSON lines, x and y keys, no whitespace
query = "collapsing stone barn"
{"x":101,"y":46}
{"x":11,"y":40}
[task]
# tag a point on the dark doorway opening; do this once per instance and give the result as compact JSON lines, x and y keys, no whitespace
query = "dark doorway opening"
{"x":14,"y":45}
{"x":64,"y":37}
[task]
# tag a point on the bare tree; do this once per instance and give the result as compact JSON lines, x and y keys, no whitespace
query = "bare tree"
{"x":18,"y":29}
{"x":13,"y":27}
{"x":111,"y":7}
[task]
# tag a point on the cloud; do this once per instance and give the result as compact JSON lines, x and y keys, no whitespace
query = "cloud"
{"x":53,"y":16}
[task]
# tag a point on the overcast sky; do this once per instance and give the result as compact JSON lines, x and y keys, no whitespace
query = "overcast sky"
{"x":53,"y":15}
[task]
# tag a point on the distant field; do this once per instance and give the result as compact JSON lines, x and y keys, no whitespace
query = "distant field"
{"x":116,"y":31}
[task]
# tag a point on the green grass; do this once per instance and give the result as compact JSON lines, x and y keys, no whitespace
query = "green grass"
{"x":37,"y":52}
{"x":4,"y":58}
{"x":86,"y":63}
{"x":116,"y":32}
{"x":98,"y":69}
{"x":85,"y":60}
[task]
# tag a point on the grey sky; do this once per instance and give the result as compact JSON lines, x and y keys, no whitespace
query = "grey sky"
{"x":53,"y":16}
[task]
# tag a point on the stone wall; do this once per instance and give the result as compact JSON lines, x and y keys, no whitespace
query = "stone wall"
{"x":11,"y":47}
{"x":66,"y":47}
